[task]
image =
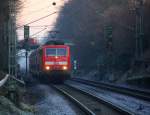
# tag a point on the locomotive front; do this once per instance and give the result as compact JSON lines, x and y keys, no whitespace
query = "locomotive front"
{"x":56,"y":59}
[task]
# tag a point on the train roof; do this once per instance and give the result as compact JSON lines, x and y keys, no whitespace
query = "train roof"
{"x":51,"y":43}
{"x":54,"y":46}
{"x":55,"y":42}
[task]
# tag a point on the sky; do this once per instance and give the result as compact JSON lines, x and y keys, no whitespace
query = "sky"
{"x":34,"y":9}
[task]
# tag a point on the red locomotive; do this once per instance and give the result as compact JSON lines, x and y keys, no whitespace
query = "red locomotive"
{"x":51,"y":60}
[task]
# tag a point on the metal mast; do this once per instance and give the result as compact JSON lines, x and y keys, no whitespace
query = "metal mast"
{"x":139,"y":4}
{"x":108,"y":34}
{"x":12,"y":40}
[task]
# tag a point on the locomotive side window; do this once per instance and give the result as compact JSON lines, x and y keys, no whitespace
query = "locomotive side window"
{"x":56,"y":52}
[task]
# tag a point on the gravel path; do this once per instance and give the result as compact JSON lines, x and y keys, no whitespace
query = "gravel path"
{"x":49,"y":102}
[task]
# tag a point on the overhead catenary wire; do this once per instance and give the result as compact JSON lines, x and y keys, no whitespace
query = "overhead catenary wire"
{"x":38,"y":32}
{"x":38,"y":10}
{"x":37,"y":19}
{"x":38,"y":26}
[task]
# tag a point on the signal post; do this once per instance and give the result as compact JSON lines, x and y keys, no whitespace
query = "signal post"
{"x":26,"y":38}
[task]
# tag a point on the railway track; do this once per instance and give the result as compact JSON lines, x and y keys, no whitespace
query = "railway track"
{"x":89,"y":103}
{"x":137,"y":93}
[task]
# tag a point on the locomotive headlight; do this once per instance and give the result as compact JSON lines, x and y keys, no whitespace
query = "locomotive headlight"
{"x":65,"y":67}
{"x":47,"y":68}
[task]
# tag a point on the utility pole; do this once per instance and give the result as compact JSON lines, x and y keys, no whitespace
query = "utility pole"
{"x":109,"y":45}
{"x":139,"y":5}
{"x":12,"y":40}
{"x":12,"y":66}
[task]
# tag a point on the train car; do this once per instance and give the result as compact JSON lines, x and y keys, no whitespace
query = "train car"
{"x":51,"y":61}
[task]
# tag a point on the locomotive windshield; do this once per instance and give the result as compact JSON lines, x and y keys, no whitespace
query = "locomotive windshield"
{"x":56,"y":52}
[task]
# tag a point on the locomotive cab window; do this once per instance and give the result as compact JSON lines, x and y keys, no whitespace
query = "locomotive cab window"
{"x":61,"y":51}
{"x":56,"y":52}
{"x":50,"y":52}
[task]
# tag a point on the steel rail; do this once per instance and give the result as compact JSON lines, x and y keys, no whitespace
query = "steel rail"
{"x":103,"y":102}
{"x":137,"y":93}
{"x":80,"y":105}
{"x":120,"y":109}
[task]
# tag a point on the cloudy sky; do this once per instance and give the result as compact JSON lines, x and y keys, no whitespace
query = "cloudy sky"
{"x":35,"y":9}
